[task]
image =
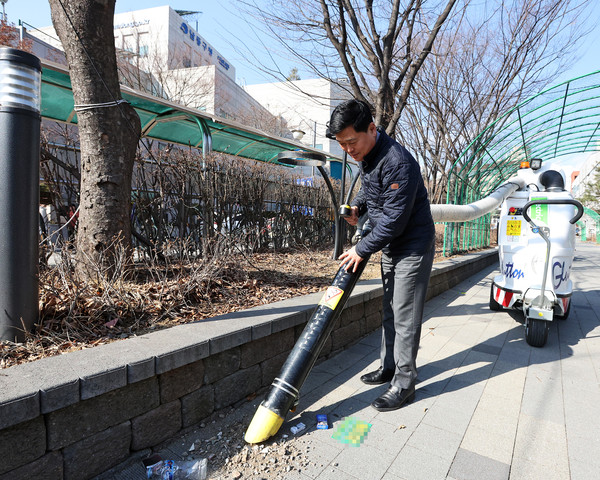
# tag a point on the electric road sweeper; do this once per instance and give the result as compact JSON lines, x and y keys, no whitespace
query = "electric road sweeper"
{"x":536,"y":240}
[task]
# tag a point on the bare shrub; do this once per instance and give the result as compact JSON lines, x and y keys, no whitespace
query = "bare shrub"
{"x":177,"y":193}
{"x":195,"y":221}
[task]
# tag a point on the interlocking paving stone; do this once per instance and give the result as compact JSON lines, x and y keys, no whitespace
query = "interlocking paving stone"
{"x":489,"y":443}
{"x":526,"y":469}
{"x":415,"y":464}
{"x":472,"y":466}
{"x":433,"y":439}
{"x":387,"y":437}
{"x":495,"y":422}
{"x":582,"y":470}
{"x":363,"y":459}
{"x":540,"y":441}
{"x":487,"y":348}
{"x":452,"y":419}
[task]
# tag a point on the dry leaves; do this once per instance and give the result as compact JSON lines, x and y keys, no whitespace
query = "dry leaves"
{"x":74,"y":316}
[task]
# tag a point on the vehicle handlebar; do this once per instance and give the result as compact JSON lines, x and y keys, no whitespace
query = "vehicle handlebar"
{"x":566,"y":201}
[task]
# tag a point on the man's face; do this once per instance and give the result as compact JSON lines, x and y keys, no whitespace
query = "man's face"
{"x":357,"y":144}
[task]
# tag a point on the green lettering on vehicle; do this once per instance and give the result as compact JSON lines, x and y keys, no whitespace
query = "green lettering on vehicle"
{"x":539,"y":212}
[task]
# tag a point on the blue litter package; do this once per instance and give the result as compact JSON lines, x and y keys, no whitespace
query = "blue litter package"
{"x":322,"y":422}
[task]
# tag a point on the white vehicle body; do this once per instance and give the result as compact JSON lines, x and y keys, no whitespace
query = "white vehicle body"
{"x":536,"y":258}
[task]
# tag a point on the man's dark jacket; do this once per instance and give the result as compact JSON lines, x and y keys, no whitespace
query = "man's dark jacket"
{"x":395,"y":197}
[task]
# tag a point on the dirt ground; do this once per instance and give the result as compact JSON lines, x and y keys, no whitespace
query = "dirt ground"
{"x":220,"y":440}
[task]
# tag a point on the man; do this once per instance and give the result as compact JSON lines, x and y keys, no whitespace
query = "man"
{"x":394,"y":196}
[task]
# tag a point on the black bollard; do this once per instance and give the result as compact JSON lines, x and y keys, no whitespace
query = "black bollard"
{"x":20,"y":121}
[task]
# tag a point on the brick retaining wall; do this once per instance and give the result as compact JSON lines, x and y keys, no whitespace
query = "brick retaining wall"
{"x":77,"y":415}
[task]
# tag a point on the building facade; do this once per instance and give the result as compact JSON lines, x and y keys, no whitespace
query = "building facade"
{"x":160,"y":53}
{"x":306,"y":106}
{"x":161,"y":35}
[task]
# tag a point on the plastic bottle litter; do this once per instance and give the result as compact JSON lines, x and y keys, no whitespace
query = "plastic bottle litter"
{"x":178,"y":470}
{"x":297,"y":428}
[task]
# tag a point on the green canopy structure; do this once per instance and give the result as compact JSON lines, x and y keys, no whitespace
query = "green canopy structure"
{"x":172,"y":123}
{"x":561,"y":120}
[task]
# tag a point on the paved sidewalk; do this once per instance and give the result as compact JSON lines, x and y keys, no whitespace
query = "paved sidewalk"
{"x":488,"y":406}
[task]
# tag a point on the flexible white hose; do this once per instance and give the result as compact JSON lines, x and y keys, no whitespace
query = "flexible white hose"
{"x":464,"y":213}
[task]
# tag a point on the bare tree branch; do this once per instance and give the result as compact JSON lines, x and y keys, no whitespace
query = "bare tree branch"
{"x":377,"y":46}
{"x":481,"y":66}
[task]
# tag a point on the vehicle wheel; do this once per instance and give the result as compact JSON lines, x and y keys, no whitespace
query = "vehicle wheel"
{"x":536,"y":332}
{"x":566,"y":314}
{"x":494,"y":305}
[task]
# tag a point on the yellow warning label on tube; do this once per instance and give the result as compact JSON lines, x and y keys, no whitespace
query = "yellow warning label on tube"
{"x":332,"y":297}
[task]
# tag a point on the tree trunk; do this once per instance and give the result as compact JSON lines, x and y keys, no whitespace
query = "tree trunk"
{"x":108,"y":136}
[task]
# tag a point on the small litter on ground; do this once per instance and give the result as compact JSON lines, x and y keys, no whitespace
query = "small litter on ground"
{"x":297,"y":428}
{"x":322,"y":422}
{"x":352,"y":431}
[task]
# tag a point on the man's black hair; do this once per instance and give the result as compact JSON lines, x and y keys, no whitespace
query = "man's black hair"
{"x":351,"y":113}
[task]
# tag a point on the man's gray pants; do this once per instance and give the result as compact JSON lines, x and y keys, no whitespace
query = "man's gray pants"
{"x":405,"y":280}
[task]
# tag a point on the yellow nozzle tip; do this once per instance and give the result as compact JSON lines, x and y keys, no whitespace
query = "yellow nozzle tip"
{"x":264,"y":424}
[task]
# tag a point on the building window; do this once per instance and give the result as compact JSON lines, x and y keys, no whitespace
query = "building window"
{"x":187,"y":57}
{"x":143,"y":41}
{"x":129,"y":43}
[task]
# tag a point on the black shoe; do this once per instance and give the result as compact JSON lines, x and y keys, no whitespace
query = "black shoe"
{"x":394,"y":398}
{"x":377,"y":377}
